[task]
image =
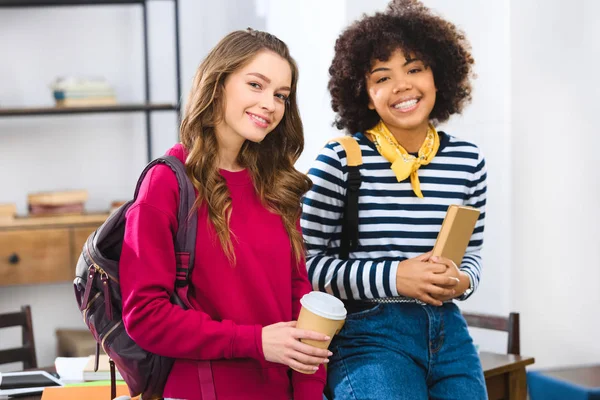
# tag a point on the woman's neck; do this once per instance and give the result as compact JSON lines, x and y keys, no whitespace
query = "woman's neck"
{"x":229,"y":150}
{"x":410,"y":139}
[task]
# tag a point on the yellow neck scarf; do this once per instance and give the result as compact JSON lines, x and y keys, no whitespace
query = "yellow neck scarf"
{"x":403,"y":163}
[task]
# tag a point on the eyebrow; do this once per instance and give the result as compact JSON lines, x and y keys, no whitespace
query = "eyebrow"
{"x":264,"y":78}
{"x":409,"y":61}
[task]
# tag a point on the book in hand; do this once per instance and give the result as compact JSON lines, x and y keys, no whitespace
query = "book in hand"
{"x":103,"y":372}
{"x":456,"y":232}
{"x":26,"y":382}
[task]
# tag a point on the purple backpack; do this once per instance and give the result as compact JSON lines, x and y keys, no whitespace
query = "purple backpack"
{"x":98,"y":292}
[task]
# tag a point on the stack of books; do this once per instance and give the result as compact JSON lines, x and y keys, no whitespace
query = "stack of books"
{"x":80,"y":92}
{"x":7,"y":212}
{"x":57,"y":203}
{"x":103,"y":372}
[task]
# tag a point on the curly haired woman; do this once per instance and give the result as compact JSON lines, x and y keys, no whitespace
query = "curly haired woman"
{"x":240,"y":138}
{"x":395,"y":75}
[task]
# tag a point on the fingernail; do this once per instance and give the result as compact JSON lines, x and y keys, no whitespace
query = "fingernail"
{"x":327,"y":338}
{"x":330,"y":354}
{"x":315,"y":368}
{"x":325,"y":361}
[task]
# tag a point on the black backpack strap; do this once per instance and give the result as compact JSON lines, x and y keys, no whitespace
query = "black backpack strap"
{"x":349,"y":238}
{"x":185,"y":245}
{"x":185,"y":242}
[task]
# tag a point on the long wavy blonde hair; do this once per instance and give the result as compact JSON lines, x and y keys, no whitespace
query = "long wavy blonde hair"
{"x":270,"y":163}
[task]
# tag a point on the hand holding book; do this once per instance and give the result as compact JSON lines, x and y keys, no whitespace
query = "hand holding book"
{"x":435,"y":277}
{"x":452,"y":243}
{"x":462,"y":281}
{"x":422,"y":279}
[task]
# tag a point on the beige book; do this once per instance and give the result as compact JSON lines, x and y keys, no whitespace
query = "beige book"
{"x":456,"y":232}
{"x":87,"y":102}
{"x":103,"y":373}
{"x":58,"y":198}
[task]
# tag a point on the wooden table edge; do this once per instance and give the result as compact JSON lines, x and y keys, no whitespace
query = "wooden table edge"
{"x":502,"y":369}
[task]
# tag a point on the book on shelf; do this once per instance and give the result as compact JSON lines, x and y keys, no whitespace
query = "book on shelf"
{"x":90,"y":84}
{"x":82,"y":92}
{"x":456,"y":232}
{"x":87,"y":102}
{"x":67,"y":209}
{"x":44,"y":204}
{"x":58,"y":198}
{"x":79,"y":94}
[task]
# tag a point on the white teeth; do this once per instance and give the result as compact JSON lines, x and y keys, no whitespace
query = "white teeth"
{"x":406,"y":104}
{"x":259,"y":119}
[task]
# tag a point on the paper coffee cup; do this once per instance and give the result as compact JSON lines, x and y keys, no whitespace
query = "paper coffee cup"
{"x":323,"y":313}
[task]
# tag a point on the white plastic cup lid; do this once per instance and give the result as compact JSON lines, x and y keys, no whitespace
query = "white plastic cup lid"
{"x":324,"y":305}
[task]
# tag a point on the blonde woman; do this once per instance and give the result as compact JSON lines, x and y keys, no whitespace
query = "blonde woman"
{"x":239,"y":140}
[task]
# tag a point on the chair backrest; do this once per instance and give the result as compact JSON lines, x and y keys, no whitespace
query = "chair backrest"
{"x":26,"y":353}
{"x":508,"y":324}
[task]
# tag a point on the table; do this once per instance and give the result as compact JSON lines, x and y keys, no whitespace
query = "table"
{"x":505,"y":375}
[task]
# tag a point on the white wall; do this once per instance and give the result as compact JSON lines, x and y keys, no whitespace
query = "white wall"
{"x":487,"y":122}
{"x":312,"y":48}
{"x":556,"y":219}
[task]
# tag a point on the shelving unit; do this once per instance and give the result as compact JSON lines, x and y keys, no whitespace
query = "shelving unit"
{"x":41,"y":250}
{"x":34,"y":111}
{"x":147,"y":107}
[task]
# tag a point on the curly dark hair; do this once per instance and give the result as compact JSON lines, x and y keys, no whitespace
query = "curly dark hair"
{"x":411,"y":27}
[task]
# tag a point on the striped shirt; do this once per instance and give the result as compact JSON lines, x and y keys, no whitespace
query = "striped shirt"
{"x":394,"y":224}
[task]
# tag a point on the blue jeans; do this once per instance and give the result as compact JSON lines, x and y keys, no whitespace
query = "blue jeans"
{"x":405,"y":351}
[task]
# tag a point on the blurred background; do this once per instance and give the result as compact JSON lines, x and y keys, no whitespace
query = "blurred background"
{"x":535,"y":101}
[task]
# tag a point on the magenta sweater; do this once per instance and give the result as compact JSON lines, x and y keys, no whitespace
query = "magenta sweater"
{"x":231,"y":304}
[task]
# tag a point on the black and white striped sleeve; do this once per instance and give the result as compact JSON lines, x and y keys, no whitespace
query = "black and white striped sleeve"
{"x":471,"y":263}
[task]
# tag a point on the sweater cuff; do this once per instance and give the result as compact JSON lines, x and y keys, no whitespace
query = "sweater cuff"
{"x":247,"y":342}
{"x":308,"y":389}
{"x":309,"y":386}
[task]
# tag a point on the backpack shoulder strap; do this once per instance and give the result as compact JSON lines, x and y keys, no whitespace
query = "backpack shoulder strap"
{"x":349,"y":238}
{"x":185,"y":241}
{"x":352,"y":149}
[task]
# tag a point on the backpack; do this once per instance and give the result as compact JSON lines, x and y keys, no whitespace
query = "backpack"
{"x":98,"y":293}
{"x":349,"y":238}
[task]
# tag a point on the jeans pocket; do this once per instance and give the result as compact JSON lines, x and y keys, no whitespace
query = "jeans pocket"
{"x":363,"y":314}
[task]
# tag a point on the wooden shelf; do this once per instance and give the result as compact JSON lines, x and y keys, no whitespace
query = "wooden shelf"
{"x":34,"y":111}
{"x":54,"y":221}
{"x":53,"y":3}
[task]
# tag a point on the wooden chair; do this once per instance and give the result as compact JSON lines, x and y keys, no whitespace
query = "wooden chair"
{"x":26,"y":353}
{"x":508,"y":324}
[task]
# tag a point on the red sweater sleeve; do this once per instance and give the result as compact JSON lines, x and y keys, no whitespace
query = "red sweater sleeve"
{"x":306,"y":387}
{"x":147,"y":277}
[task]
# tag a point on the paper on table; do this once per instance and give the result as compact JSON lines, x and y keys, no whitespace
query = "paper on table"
{"x":70,"y":369}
